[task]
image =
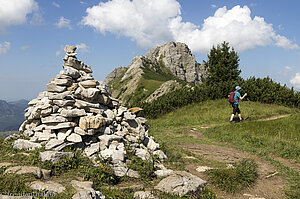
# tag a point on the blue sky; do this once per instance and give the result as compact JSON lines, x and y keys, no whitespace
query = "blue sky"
{"x":265,"y":33}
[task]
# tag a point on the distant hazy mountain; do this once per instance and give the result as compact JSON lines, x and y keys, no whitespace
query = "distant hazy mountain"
{"x":12,"y":114}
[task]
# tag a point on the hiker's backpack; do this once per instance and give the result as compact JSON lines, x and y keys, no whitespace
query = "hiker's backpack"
{"x":231,"y":98}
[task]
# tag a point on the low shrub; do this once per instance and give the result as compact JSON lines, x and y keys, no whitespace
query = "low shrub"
{"x":102,"y":174}
{"x":234,"y":179}
{"x":144,"y":167}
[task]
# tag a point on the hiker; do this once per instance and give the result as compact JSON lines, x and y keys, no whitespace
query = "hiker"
{"x":235,"y":105}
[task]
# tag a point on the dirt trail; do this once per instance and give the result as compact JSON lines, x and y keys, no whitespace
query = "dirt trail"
{"x":274,"y":117}
{"x":262,"y":119}
{"x":268,"y":188}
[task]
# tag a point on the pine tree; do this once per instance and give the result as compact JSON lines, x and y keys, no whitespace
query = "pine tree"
{"x":222,"y":64}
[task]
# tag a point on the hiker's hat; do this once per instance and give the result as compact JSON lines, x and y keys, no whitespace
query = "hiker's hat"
{"x":238,"y":88}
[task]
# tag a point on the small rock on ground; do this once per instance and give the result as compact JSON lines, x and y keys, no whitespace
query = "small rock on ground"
{"x":144,"y":195}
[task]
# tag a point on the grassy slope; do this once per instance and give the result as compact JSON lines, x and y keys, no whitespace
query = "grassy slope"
{"x":279,"y":137}
{"x":155,"y":74}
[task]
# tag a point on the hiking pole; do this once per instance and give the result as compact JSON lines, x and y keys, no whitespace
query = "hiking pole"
{"x":246,"y":111}
{"x":251,"y":108}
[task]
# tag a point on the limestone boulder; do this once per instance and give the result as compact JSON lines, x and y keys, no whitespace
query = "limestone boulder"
{"x":91,"y":122}
{"x":143,"y":154}
{"x":25,"y":144}
{"x":150,"y":143}
{"x":163,"y":172}
{"x":24,"y":170}
{"x":107,"y":139}
{"x":144,"y":195}
{"x":53,"y":143}
{"x":92,"y":149}
{"x":70,"y":49}
{"x":73,"y":112}
{"x":180,"y":183}
{"x":89,"y":83}
{"x":129,"y":116}
{"x":43,"y":136}
{"x":52,"y":87}
{"x":74,"y":138}
{"x":60,"y":96}
{"x":46,"y":112}
{"x":110,"y":115}
{"x":84,"y":104}
{"x":56,"y":126}
{"x":85,"y":190}
{"x":72,"y":72}
{"x":63,"y":82}
{"x":90,"y":94}
{"x":49,"y":186}
{"x":54,"y":156}
{"x":161,"y":155}
{"x":55,"y":118}
{"x":63,"y":103}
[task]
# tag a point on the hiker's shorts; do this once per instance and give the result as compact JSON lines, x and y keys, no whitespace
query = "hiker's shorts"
{"x":235,"y":109}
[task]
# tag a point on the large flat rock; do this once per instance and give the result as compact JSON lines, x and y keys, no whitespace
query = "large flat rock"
{"x":25,"y":144}
{"x":49,"y":186}
{"x":180,"y":183}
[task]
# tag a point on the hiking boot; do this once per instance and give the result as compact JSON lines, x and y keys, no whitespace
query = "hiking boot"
{"x":242,"y":120}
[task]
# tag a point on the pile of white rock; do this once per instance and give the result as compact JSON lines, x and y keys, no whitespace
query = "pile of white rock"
{"x":77,"y":111}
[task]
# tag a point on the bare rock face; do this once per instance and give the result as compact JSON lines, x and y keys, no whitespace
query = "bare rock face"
{"x":165,"y":88}
{"x":117,"y":72}
{"x":178,"y":58}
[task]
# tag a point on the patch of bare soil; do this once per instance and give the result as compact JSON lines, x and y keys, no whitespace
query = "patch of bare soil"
{"x":194,"y":134}
{"x":267,"y":186}
{"x":289,"y":163}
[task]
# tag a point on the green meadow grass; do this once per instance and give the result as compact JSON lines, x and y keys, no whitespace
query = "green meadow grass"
{"x":280,"y":137}
{"x":215,"y":112}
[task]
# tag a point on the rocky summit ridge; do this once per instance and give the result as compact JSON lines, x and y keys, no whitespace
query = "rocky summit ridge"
{"x":171,"y":61}
{"x":77,"y":111}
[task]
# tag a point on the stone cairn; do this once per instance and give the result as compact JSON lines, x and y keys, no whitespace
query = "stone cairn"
{"x":77,"y":111}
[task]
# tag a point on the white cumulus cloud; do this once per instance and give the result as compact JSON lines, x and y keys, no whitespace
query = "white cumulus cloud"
{"x":144,"y":21}
{"x":64,"y":23}
{"x":83,"y":47}
{"x":14,"y":12}
{"x":234,"y":26}
{"x":295,"y":81}
{"x":4,"y":47}
{"x":55,"y":4}
{"x":151,"y":23}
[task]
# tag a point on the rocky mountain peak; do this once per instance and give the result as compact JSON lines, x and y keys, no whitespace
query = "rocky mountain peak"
{"x":171,"y":61}
{"x":178,"y":58}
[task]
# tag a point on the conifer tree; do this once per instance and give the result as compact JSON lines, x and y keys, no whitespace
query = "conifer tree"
{"x":222,"y":64}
